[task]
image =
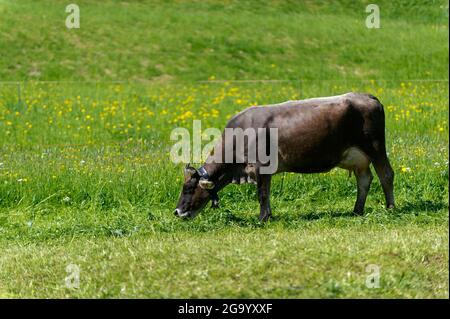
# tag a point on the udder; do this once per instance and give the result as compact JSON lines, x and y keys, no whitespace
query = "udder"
{"x":354,"y":159}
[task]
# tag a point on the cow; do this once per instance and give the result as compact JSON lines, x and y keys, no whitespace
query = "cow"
{"x":314,"y":136}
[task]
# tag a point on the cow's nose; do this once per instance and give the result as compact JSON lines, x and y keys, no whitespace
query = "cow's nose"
{"x":176,"y":212}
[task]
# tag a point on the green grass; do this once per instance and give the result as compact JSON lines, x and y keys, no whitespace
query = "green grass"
{"x":316,"y":260}
{"x":160,"y":41}
{"x":86,"y":178}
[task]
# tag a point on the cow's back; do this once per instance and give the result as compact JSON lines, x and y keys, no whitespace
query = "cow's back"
{"x":314,"y":133}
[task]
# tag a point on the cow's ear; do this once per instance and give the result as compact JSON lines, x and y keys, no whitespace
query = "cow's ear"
{"x":189,"y":171}
{"x":206,"y":184}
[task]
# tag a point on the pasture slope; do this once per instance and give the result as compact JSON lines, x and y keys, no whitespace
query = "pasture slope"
{"x":86,"y":181}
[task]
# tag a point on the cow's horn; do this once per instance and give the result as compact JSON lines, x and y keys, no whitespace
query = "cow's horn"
{"x":189,"y":171}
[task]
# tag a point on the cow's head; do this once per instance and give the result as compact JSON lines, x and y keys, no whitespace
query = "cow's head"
{"x":197,"y":191}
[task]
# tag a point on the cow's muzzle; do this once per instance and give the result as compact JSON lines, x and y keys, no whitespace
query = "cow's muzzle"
{"x":177,"y":212}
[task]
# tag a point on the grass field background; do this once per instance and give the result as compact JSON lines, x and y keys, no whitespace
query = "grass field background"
{"x":85,"y":174}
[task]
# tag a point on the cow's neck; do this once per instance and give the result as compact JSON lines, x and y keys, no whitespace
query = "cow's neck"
{"x":219,"y":173}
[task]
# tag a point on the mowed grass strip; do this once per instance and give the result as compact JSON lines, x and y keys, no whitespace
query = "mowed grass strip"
{"x":315,"y":262}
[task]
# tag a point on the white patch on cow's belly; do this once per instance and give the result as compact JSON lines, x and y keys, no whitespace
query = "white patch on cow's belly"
{"x":353,"y":158}
{"x":247,"y":176}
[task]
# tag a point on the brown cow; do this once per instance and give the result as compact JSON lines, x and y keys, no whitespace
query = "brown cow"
{"x":314,"y":135}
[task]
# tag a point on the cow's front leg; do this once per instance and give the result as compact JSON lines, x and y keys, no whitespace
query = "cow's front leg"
{"x":364,"y":179}
{"x":263,"y":184}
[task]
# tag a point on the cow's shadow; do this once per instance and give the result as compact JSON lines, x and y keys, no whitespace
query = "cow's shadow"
{"x":313,"y":215}
{"x":413,"y":207}
{"x":421,"y":205}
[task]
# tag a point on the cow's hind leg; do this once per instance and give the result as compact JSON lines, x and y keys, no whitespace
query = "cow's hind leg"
{"x":364,"y":179}
{"x":263,"y":184}
{"x":377,"y":152}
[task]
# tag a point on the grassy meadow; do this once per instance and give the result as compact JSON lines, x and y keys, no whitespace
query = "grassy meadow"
{"x":85,"y":173}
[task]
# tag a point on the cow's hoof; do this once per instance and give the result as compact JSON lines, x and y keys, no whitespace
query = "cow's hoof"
{"x":358,"y":212}
{"x":390,"y":206}
{"x":264,"y":218}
